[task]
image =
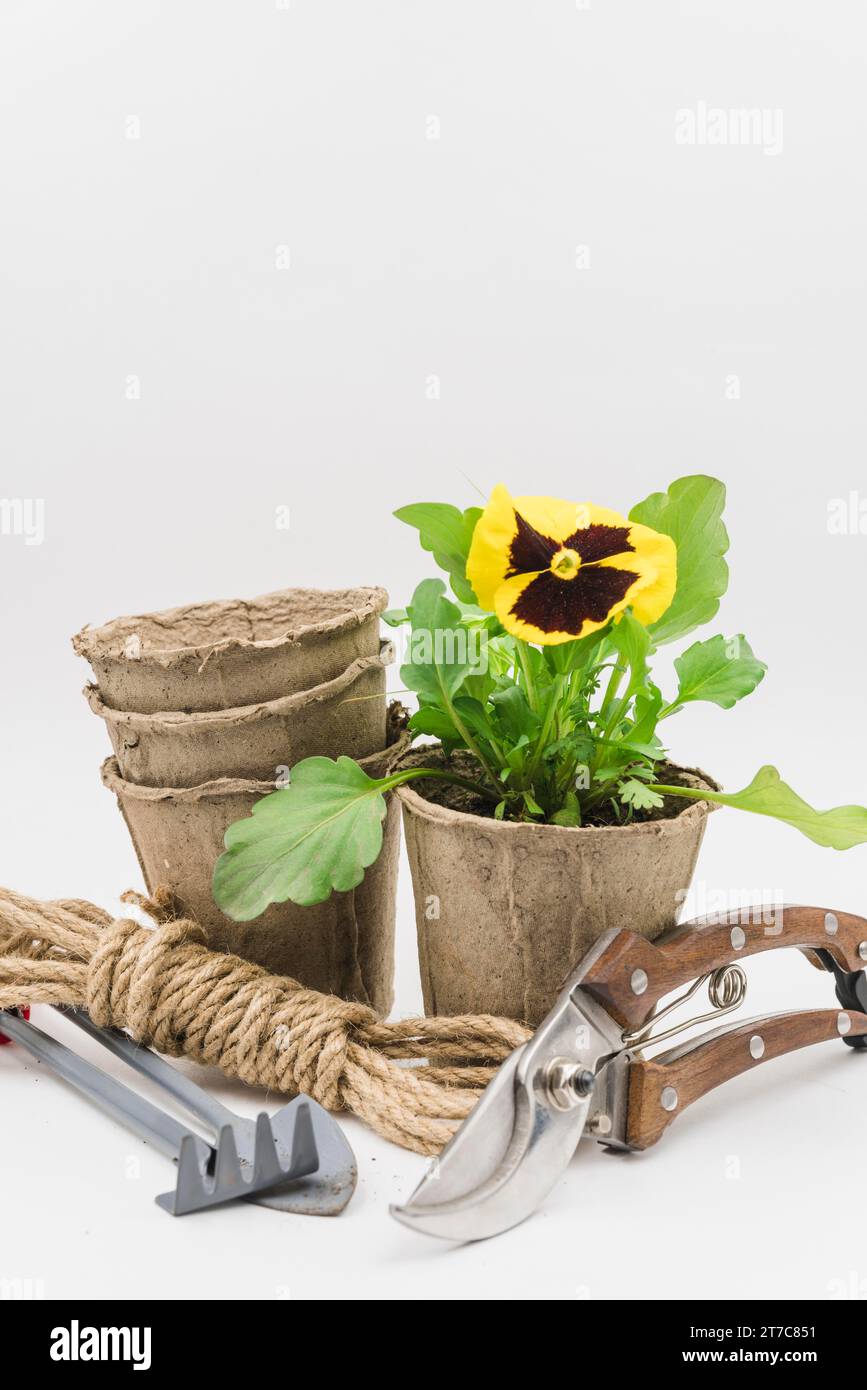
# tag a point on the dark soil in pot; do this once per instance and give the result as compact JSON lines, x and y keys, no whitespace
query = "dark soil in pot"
{"x":460,"y":799}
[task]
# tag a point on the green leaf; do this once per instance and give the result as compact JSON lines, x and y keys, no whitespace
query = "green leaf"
{"x":317,"y":835}
{"x":632,"y":641}
{"x":516,"y":761}
{"x":446,"y":533}
{"x":473,"y":616}
{"x":517,"y":756}
{"x":630,"y":747}
{"x":501,"y":654}
{"x":722,"y":670}
{"x":577,"y":746}
{"x":478,"y":688}
{"x":395,"y":617}
{"x":513,"y":713}
{"x":565,"y":657}
{"x":534,"y":659}
{"x":430,"y":719}
{"x":608,"y":772}
{"x":648,"y":703}
{"x":473,"y":714}
{"x":641,"y":770}
{"x":690,"y":512}
{"x":569,"y":813}
{"x":768,"y":795}
{"x":638,"y":795}
{"x":474,"y":721}
{"x":439,"y":647}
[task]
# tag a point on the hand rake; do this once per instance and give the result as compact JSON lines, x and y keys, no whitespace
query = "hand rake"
{"x":298,"y":1161}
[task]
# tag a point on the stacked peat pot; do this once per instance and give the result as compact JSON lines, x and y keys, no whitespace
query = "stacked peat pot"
{"x":207,"y":707}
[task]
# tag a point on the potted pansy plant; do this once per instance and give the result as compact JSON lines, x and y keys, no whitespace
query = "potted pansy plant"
{"x":546,"y":810}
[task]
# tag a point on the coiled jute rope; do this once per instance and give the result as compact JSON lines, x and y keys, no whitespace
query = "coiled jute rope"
{"x":167,"y":988}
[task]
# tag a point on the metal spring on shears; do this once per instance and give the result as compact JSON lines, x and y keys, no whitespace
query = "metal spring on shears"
{"x":726,"y":989}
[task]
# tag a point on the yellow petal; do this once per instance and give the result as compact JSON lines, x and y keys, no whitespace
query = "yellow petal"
{"x":588,"y":514}
{"x":488,"y":560}
{"x":558,"y":519}
{"x":660,"y":552}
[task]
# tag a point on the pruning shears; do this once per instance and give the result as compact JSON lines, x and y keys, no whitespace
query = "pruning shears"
{"x":583,"y":1072}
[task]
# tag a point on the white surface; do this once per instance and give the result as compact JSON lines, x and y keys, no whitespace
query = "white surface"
{"x":261,"y":128}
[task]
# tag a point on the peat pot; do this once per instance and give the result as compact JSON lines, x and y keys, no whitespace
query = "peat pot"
{"x":173,"y":749}
{"x":504,"y":910}
{"x":212,"y":656}
{"x":344,"y":946}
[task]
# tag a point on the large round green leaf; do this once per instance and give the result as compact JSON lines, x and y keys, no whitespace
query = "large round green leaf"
{"x":315,"y":836}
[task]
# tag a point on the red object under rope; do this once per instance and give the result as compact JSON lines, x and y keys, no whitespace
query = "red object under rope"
{"x":25,"y":1013}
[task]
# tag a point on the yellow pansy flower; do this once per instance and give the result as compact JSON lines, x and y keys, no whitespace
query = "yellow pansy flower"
{"x":553,"y":571}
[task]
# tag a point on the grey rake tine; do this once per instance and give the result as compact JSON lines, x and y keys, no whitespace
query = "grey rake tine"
{"x":304,"y":1149}
{"x":267,"y":1171}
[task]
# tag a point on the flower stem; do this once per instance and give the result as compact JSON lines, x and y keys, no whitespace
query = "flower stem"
{"x":617,"y":674}
{"x":411,"y":773}
{"x":614,"y":680}
{"x":542,"y":740}
{"x":469,"y":740}
{"x":668,"y":709}
{"x":532,"y":699}
{"x":695,"y":793}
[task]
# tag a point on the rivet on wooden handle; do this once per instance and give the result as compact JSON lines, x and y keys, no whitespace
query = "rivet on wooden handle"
{"x":659,"y":1090}
{"x":632,"y":974}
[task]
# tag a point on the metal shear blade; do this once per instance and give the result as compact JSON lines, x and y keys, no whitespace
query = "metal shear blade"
{"x":514,"y":1146}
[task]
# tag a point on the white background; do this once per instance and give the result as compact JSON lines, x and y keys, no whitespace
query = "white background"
{"x":154,"y":268}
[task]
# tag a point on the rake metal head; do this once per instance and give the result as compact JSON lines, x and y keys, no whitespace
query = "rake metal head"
{"x":207,"y":1176}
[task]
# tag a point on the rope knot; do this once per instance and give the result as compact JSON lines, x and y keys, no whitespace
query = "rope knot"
{"x":311,"y":1037}
{"x":130,"y":968}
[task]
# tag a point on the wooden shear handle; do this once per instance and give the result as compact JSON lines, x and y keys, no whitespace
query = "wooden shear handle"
{"x":659,"y":1090}
{"x":631,"y":974}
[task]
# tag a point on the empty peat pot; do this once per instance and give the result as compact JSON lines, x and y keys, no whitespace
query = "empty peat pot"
{"x":210,"y":656}
{"x":505,"y":910}
{"x":173,"y":749}
{"x":344,"y":946}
